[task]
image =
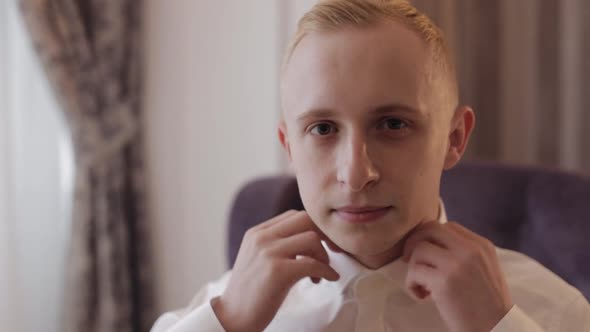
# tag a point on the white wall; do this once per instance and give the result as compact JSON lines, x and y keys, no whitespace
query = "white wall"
{"x":212,"y":107}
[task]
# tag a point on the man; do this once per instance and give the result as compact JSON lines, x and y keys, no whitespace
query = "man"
{"x":371,"y":119}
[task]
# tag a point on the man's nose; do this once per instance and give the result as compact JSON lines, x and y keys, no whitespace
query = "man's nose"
{"x":356,"y":170}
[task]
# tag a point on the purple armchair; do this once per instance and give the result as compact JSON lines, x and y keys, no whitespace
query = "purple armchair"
{"x":544,"y":214}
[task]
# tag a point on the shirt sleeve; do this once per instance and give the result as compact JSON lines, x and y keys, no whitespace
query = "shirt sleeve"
{"x":199,"y":315}
{"x":200,"y":319}
{"x":517,"y":321}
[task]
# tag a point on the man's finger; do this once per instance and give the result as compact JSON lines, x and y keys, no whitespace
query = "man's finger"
{"x":298,"y":223}
{"x":420,"y":280}
{"x":432,"y":232}
{"x":294,"y":224}
{"x":302,"y":244}
{"x":308,"y":267}
{"x":474,"y":238}
{"x":276,"y":219}
{"x":429,"y":254}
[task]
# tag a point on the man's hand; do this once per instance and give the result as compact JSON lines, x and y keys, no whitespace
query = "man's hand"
{"x":273,"y":256}
{"x":460,"y":270}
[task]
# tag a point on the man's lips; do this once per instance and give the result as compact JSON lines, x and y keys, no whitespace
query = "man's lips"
{"x":361,"y":214}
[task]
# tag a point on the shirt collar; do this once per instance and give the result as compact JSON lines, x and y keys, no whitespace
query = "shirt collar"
{"x":349,"y":269}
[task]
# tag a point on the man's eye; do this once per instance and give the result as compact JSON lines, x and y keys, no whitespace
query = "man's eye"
{"x":322,"y":129}
{"x":394,"y":124}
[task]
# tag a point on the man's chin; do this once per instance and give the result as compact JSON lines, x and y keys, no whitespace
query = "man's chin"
{"x":363,"y":247}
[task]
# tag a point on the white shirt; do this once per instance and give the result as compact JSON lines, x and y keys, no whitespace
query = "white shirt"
{"x":376,"y":300}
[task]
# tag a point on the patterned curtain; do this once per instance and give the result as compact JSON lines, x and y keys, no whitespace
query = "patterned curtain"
{"x":91,"y":53}
{"x":524,"y":66}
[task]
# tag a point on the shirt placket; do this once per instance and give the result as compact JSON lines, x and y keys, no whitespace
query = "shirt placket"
{"x":371,"y":292}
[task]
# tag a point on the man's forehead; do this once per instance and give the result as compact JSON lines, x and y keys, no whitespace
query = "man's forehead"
{"x":384,"y":64}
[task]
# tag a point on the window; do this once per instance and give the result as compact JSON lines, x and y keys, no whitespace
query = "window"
{"x":35,"y":185}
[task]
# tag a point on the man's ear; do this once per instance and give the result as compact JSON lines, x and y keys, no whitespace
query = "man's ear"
{"x":282,"y":131}
{"x":461,"y":127}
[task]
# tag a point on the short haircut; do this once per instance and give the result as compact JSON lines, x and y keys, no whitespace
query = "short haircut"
{"x":334,"y":15}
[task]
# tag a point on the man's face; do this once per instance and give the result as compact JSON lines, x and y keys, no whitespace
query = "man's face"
{"x":364,"y":131}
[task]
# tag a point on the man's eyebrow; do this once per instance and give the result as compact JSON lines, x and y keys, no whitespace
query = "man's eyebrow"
{"x":380,"y":110}
{"x":315,"y":114}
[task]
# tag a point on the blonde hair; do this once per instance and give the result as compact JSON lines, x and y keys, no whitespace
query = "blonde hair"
{"x":333,"y":15}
